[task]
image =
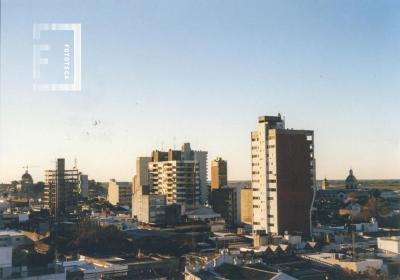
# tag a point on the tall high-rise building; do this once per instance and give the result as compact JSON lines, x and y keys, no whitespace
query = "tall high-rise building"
{"x":61,"y":189}
{"x":283,"y":177}
{"x":201,"y":158}
{"x":180,"y":175}
{"x":176,"y":174}
{"x":219,"y":173}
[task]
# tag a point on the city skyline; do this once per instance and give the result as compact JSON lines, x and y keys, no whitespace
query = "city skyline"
{"x":156,"y":75}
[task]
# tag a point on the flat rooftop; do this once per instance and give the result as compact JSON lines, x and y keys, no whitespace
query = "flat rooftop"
{"x":10,"y":233}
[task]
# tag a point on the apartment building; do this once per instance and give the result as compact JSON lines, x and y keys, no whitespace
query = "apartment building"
{"x":180,"y":175}
{"x":283,"y":177}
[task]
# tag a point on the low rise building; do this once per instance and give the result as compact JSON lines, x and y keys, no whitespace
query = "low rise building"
{"x":389,"y":244}
{"x":345,"y":262}
{"x":207,"y":215}
{"x":93,"y":269}
{"x":13,"y":238}
{"x":8,"y":243}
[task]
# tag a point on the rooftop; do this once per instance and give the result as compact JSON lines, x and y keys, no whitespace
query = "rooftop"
{"x":392,"y":238}
{"x":10,"y":233}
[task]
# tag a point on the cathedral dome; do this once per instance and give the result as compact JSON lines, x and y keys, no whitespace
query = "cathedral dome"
{"x":351,"y":181}
{"x":26,"y":178}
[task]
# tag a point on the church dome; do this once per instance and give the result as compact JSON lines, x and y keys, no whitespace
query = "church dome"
{"x":351,"y":181}
{"x":26,"y":178}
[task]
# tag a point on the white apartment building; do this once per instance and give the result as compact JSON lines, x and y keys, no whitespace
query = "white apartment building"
{"x":201,"y":158}
{"x":263,"y":166}
{"x":178,"y":180}
{"x":165,"y":178}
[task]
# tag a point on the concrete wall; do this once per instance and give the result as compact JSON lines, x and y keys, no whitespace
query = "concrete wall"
{"x":389,"y":244}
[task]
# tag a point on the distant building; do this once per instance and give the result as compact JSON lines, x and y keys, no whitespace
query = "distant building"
{"x":120,"y":193}
{"x":324,"y":184}
{"x":13,"y":238}
{"x":61,"y":189}
{"x":207,"y":215}
{"x":227,"y":201}
{"x":219,"y":173}
{"x":180,"y":175}
{"x":84,"y":185}
{"x":389,"y":244}
{"x":351,"y":181}
{"x":141,"y":178}
{"x":90,"y":268}
{"x":201,"y":158}
{"x":224,"y":202}
{"x":283,"y":177}
{"x":246,"y":206}
{"x":345,"y":262}
{"x":147,"y":208}
{"x":175,"y":177}
{"x":26,"y":182}
{"x":152,"y":209}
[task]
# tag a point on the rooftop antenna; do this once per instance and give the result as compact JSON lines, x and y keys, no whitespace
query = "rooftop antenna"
{"x":27,"y":166}
{"x":174,"y":143}
{"x":75,"y":163}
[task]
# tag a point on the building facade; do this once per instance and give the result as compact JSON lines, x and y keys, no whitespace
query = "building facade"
{"x":147,"y":207}
{"x":84,"y":185}
{"x":175,"y":177}
{"x":246,"y":206}
{"x":179,"y":175}
{"x":61,"y":189}
{"x":201,"y":158}
{"x":219,"y":173}
{"x":225,"y":202}
{"x":120,"y":193}
{"x":179,"y":181}
{"x":283,"y":177}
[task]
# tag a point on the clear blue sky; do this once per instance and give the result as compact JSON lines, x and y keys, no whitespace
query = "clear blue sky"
{"x":159,"y":73}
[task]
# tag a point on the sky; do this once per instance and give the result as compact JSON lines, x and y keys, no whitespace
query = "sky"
{"x":156,"y":74}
